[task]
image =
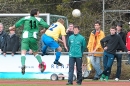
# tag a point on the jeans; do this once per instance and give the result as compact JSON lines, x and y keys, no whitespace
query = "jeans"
{"x":72,"y":61}
{"x":119,"y":62}
{"x":95,"y":61}
{"x":108,"y":59}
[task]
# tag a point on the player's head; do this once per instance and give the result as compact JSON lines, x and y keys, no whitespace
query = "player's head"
{"x":113,"y":30}
{"x":61,"y":21}
{"x":97,"y":25}
{"x":76,"y":29}
{"x":1,"y":27}
{"x":34,"y":12}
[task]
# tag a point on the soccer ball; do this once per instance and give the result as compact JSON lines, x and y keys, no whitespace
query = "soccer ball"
{"x":76,"y":13}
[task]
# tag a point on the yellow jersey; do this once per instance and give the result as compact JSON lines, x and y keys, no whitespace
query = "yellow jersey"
{"x":55,"y":30}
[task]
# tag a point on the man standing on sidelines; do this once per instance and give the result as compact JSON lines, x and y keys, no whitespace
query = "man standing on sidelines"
{"x":118,"y":57}
{"x":51,"y":37}
{"x":76,"y":45}
{"x":3,"y":36}
{"x":29,"y":37}
{"x":95,"y":46}
{"x":110,"y":44}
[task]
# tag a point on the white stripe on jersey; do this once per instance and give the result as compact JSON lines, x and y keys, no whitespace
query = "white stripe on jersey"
{"x":38,"y":18}
{"x":27,"y":17}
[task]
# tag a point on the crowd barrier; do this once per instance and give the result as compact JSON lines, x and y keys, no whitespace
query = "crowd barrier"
{"x":10,"y":66}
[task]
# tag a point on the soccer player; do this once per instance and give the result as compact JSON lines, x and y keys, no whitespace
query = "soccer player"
{"x":51,"y":37}
{"x":29,"y":36}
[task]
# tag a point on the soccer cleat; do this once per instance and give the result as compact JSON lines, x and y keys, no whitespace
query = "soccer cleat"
{"x":58,"y":63}
{"x":42,"y":68}
{"x":23,"y":70}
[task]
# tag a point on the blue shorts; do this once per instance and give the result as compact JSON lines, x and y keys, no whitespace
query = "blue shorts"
{"x":49,"y":41}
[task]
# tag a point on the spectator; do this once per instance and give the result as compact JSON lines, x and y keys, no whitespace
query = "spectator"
{"x":118,"y":57}
{"x":69,"y":32}
{"x":2,"y":37}
{"x":12,"y":43}
{"x":110,"y":44}
{"x":95,"y":46}
{"x":77,"y":45}
{"x":128,"y":43}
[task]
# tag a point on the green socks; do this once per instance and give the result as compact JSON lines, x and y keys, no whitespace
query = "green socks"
{"x":23,"y":58}
{"x":38,"y":57}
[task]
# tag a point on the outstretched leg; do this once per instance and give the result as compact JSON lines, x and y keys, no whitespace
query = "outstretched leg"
{"x":23,"y":58}
{"x":38,"y":57}
{"x":58,"y":54}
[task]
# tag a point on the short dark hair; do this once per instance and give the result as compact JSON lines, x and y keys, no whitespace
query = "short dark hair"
{"x":119,"y":24}
{"x":33,"y":12}
{"x":97,"y":22}
{"x":113,"y":27}
{"x":76,"y":26}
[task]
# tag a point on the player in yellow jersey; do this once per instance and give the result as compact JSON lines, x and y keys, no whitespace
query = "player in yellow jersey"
{"x":51,"y":37}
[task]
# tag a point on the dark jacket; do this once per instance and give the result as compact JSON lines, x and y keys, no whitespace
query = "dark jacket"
{"x":2,"y":39}
{"x":123,"y":36}
{"x":69,"y":33}
{"x":112,"y":42}
{"x":11,"y":44}
{"x":77,"y":45}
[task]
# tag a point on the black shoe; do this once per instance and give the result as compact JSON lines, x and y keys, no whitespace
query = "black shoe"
{"x":78,"y":83}
{"x":42,"y":68}
{"x":23,"y":70}
{"x":58,"y":63}
{"x":95,"y":78}
{"x":69,"y":84}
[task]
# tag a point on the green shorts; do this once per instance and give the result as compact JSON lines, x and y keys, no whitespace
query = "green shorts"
{"x":29,"y":43}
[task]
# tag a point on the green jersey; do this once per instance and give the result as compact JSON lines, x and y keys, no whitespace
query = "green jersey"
{"x":31,"y":26}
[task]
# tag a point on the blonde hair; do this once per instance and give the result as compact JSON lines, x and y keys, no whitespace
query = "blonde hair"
{"x":60,"y":20}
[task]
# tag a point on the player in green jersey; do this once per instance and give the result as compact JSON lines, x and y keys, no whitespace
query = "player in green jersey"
{"x":29,"y":36}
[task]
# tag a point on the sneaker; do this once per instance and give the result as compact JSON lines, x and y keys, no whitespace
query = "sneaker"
{"x":106,"y":78}
{"x":23,"y":70}
{"x":69,"y":84}
{"x":78,"y":83}
{"x":58,"y":63}
{"x":42,"y":68}
{"x":116,"y":79}
{"x":95,"y":78}
{"x":102,"y":77}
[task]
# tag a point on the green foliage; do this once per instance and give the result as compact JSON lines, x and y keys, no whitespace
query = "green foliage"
{"x":91,"y":11}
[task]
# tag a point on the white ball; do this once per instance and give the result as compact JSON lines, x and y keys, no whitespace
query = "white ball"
{"x":76,"y":13}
